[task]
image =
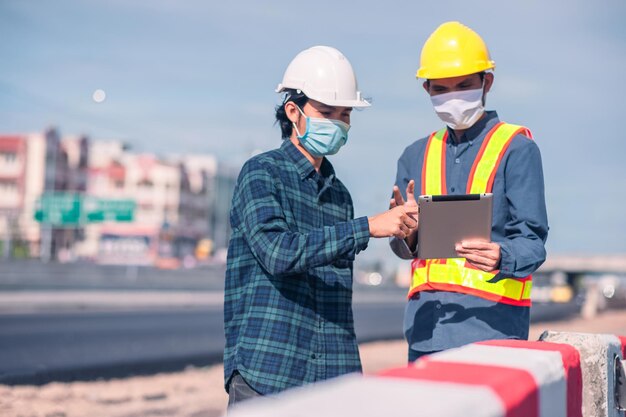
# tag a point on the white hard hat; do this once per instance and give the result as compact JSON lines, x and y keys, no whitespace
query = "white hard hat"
{"x":323,"y":74}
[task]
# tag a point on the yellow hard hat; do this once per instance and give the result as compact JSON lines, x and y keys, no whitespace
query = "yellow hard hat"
{"x":453,"y":50}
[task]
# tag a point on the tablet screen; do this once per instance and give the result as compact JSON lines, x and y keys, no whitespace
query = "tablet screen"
{"x":445,"y":220}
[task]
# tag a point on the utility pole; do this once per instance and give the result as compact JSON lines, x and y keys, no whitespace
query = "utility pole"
{"x":7,"y":240}
{"x":51,"y":161}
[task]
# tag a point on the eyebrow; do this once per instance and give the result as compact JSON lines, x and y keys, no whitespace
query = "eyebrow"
{"x":459,"y":84}
{"x":465,"y":81}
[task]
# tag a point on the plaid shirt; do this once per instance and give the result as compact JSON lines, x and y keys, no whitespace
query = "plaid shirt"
{"x":288,"y":293}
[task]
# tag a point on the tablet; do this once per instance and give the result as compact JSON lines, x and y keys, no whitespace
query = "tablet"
{"x":445,"y":220}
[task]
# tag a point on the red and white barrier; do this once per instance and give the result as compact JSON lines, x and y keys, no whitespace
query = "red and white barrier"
{"x":506,"y":378}
{"x":370,"y":396}
{"x":529,"y":378}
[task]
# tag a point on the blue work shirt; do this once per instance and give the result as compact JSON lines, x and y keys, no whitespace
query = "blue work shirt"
{"x":438,"y":320}
{"x":288,"y":293}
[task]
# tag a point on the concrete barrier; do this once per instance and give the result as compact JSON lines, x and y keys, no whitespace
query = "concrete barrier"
{"x":598,"y":354}
{"x":562,"y":375}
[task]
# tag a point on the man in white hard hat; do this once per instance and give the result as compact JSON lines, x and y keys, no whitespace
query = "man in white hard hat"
{"x":288,"y":292}
{"x":484,"y":293}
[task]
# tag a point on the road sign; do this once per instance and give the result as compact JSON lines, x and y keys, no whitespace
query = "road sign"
{"x":101,"y":210}
{"x":58,"y":208}
{"x":67,"y":209}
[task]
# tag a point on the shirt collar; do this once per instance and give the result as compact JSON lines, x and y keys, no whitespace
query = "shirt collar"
{"x":304,"y":166}
{"x":479,"y":129}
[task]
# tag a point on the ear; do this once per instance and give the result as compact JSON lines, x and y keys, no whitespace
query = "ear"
{"x":426,"y":84}
{"x":488,"y":81}
{"x":292,"y":112}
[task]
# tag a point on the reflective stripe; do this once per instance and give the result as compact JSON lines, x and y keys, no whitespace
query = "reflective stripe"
{"x":433,"y":171}
{"x":528,"y":286}
{"x":491,"y":152}
{"x":456,"y":274}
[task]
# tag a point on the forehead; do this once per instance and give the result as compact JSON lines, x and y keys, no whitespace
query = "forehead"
{"x":455,"y":81}
{"x":325,"y":107}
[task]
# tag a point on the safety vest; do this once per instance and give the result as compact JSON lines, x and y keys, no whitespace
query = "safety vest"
{"x":456,"y":274}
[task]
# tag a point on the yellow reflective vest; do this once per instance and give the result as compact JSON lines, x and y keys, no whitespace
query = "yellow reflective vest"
{"x":456,"y":274}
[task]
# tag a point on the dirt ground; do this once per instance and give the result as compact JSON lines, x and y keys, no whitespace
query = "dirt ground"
{"x":198,"y":392}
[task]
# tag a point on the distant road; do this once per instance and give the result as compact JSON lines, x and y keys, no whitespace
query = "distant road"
{"x":36,"y":348}
{"x":81,"y":321}
{"x":40,"y":347}
{"x":34,"y":275}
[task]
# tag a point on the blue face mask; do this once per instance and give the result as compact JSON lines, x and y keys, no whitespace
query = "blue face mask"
{"x":323,"y":136}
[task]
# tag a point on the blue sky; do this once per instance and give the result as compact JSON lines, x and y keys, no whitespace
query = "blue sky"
{"x":199,"y":76}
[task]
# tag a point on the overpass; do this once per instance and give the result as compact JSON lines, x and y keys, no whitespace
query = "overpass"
{"x":585,"y":264}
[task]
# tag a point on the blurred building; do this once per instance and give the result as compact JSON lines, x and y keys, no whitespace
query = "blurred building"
{"x":180,"y":203}
{"x":71,"y":176}
{"x":223,"y":184}
{"x":13,"y":189}
{"x":31,"y":165}
{"x":154,"y":187}
{"x":196,"y":202}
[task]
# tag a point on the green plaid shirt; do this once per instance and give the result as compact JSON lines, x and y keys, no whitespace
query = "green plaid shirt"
{"x":288,"y":292}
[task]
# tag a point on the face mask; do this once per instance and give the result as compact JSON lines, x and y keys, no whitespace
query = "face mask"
{"x":459,"y":109}
{"x":323,"y":136}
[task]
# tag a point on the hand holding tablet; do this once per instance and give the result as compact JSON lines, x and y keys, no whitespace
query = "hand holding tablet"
{"x":484,"y":255}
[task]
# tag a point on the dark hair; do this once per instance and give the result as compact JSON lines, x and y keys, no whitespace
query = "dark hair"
{"x":299,"y":100}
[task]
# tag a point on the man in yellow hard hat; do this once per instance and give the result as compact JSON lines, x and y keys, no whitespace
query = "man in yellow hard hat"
{"x":485,"y":292}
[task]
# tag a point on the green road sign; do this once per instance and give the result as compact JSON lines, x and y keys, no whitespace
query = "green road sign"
{"x":66,"y":209}
{"x":58,"y":208}
{"x":100,"y":210}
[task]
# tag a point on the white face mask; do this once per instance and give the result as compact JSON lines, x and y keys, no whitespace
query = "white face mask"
{"x":459,"y":109}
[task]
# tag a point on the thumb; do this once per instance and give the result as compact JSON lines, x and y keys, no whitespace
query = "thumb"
{"x":397,"y":196}
{"x":410,"y":191}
